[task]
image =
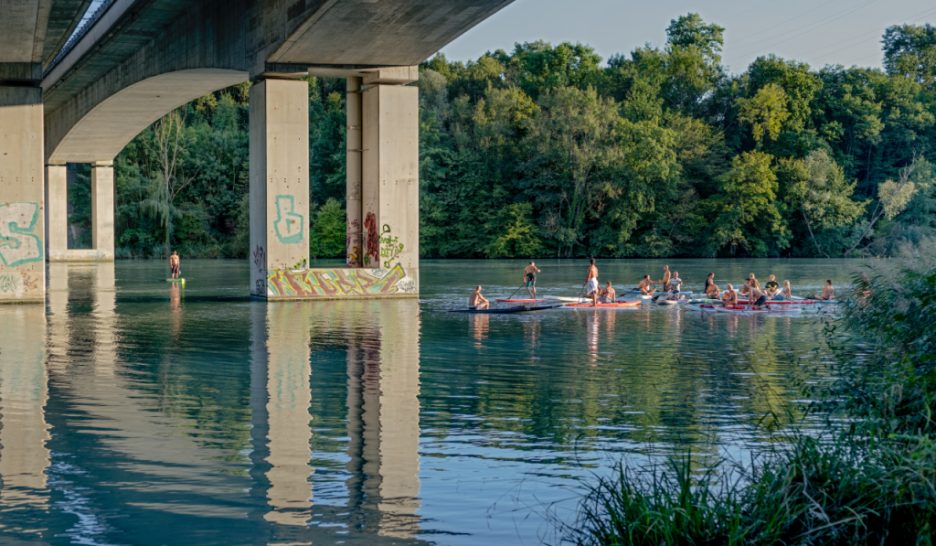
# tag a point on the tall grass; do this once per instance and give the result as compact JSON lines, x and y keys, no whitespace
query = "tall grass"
{"x":874,"y":483}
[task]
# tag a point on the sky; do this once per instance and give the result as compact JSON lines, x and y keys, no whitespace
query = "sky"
{"x":818,"y":32}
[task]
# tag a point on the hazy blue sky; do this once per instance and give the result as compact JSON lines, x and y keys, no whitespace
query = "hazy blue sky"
{"x":819,"y":32}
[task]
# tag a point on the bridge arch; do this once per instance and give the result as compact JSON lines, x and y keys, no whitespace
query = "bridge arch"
{"x":110,"y":125}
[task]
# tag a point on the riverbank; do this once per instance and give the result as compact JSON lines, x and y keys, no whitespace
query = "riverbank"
{"x":872,"y":483}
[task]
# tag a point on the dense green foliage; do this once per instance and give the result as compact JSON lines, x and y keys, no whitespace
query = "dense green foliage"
{"x":545,"y":150}
{"x":872,"y":483}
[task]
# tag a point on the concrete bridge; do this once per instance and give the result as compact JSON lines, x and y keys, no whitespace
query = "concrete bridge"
{"x":83,"y":100}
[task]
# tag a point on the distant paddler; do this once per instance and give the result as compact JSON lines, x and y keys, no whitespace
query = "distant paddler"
{"x":711,"y":289}
{"x":756,"y":296}
{"x":786,"y":292}
{"x":676,"y":282}
{"x":607,"y":294}
{"x":175,"y":265}
{"x":771,"y":287}
{"x":828,"y":292}
{"x":477,"y":301}
{"x":646,"y":286}
{"x":591,"y":282}
{"x":665,"y":281}
{"x":529,"y":277}
{"x":730,"y":297}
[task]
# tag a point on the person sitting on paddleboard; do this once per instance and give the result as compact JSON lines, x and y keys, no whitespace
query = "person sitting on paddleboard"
{"x":755,"y":295}
{"x":529,"y":277}
{"x":646,"y":286}
{"x":828,"y":293}
{"x":175,"y":265}
{"x":676,"y":282}
{"x":711,"y":289}
{"x":787,"y":292}
{"x":608,"y":294}
{"x":477,"y":301}
{"x":730,"y":297}
{"x":591,"y":282}
{"x":771,"y":287}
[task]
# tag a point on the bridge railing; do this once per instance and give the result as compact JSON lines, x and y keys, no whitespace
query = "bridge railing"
{"x":87,"y":23}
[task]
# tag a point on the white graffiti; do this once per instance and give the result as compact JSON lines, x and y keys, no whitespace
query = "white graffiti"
{"x":19,"y":242}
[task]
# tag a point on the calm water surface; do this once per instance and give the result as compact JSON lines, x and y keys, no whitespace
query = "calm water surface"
{"x":132,"y":412}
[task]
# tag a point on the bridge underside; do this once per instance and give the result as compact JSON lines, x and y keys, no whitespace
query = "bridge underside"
{"x":140,"y":59}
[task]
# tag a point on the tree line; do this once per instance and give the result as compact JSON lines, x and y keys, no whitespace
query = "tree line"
{"x":548,"y":151}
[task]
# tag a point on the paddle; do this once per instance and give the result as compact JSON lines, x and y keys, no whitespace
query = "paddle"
{"x":510,"y":297}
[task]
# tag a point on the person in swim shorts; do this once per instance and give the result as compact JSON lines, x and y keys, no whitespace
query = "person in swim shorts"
{"x":529,"y":277}
{"x":591,"y":282}
{"x":608,"y":294}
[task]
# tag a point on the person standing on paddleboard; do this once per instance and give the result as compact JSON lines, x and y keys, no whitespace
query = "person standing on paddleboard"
{"x":529,"y":277}
{"x":175,"y":265}
{"x":591,"y":282}
{"x":666,"y":278}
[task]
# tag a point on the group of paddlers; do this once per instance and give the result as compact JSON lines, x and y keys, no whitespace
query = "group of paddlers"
{"x":670,"y":287}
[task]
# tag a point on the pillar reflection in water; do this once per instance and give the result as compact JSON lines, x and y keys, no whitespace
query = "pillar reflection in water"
{"x":280,"y":398}
{"x":24,"y":432}
{"x":383,"y":418}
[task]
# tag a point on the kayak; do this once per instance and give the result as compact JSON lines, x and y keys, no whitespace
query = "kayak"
{"x":506,"y":310}
{"x":615,"y":305}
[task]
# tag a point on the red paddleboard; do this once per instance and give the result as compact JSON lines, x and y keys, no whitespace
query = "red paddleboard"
{"x":606,"y":305}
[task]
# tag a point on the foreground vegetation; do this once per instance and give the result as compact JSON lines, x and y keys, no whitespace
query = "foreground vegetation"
{"x":872,"y":483}
{"x":547,"y":151}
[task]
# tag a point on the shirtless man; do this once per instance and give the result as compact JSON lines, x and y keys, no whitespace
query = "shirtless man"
{"x":711,"y":289}
{"x":666,"y":278}
{"x":608,"y":294}
{"x":646,"y":286}
{"x":477,"y":301}
{"x":591,"y":282}
{"x":755,"y":295}
{"x":730,"y":297}
{"x":175,"y":265}
{"x":787,"y":292}
{"x":828,"y":293}
{"x":529,"y":277}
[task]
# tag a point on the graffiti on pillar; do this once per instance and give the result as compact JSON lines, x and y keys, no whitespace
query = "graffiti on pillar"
{"x":339,"y":283}
{"x":289,"y":225}
{"x":353,"y":244}
{"x":9,"y":284}
{"x":19,"y":241}
{"x":259,"y":259}
{"x":390,"y":247}
{"x":372,"y":256}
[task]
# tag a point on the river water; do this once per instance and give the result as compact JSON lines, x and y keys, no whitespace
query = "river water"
{"x":134,"y":412}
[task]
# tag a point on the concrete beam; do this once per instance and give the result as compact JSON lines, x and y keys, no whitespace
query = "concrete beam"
{"x":279,"y":179}
{"x":22,"y":233}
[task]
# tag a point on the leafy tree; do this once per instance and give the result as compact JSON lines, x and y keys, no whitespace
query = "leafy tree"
{"x":327,"y":237}
{"x":748,"y":219}
{"x":910,"y":51}
{"x":765,"y":112}
{"x":517,"y":233}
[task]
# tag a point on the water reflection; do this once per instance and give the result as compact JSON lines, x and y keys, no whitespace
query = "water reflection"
{"x":24,"y":456}
{"x":380,"y":342}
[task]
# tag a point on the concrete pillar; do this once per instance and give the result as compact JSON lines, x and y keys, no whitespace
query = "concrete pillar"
{"x":22,"y":228}
{"x":102,"y":209}
{"x":354,"y":214}
{"x":56,"y":212}
{"x":279,"y":179}
{"x":391,"y":171}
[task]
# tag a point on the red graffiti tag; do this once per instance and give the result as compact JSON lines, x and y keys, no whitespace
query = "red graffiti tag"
{"x":373,"y":239}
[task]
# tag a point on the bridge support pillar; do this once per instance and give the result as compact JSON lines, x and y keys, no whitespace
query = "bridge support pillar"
{"x":354,"y":213}
{"x":102,"y":210}
{"x":279,"y":179}
{"x":390,"y":192}
{"x":22,"y":233}
{"x":102,"y":215}
{"x":56,"y":212}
